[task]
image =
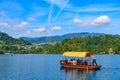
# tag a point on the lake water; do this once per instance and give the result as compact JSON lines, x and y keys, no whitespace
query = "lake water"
{"x":47,"y":67}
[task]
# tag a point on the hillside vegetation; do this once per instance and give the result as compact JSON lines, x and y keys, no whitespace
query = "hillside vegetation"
{"x":95,"y":44}
{"x":9,"y":44}
{"x":99,"y":44}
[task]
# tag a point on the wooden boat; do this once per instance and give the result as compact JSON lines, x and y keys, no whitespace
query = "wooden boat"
{"x":86,"y":67}
{"x":77,"y":65}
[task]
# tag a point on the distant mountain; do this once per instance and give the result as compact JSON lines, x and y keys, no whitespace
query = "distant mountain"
{"x":5,"y":39}
{"x":60,"y":37}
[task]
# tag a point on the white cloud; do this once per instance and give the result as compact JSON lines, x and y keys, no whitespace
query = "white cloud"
{"x":35,"y":32}
{"x":18,"y":35}
{"x":99,"y":21}
{"x":22,"y":25}
{"x":79,"y":22}
{"x":4,"y":25}
{"x":39,"y":30}
{"x":31,"y":19}
{"x":27,"y":33}
{"x":102,"y":20}
{"x":56,"y":28}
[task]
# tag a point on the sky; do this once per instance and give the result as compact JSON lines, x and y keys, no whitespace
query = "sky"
{"x":37,"y":18}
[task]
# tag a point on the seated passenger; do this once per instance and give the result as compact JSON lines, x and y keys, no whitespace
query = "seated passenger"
{"x":74,"y":62}
{"x":85,"y":62}
{"x":79,"y":62}
{"x":66,"y":60}
{"x":71,"y":59}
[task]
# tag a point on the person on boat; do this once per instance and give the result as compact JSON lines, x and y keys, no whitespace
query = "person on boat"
{"x":74,"y":62}
{"x":71,"y":59}
{"x":66,"y":60}
{"x":94,"y":61}
{"x":85,"y":62}
{"x":79,"y":62}
{"x":78,"y":59}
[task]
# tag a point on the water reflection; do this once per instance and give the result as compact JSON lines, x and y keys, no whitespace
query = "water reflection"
{"x":76,"y":74}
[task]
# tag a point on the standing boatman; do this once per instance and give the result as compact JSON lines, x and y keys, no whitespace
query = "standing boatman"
{"x":94,"y":61}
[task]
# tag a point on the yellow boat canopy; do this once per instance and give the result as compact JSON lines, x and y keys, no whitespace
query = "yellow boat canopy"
{"x":78,"y":54}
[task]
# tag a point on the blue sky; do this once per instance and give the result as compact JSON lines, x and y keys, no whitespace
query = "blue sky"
{"x":36,"y":18}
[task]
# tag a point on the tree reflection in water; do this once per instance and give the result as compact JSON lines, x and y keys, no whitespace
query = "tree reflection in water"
{"x":76,"y":74}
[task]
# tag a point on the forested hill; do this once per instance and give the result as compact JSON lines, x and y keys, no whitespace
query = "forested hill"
{"x":12,"y":45}
{"x":5,"y":39}
{"x":95,"y":44}
{"x":60,"y":37}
